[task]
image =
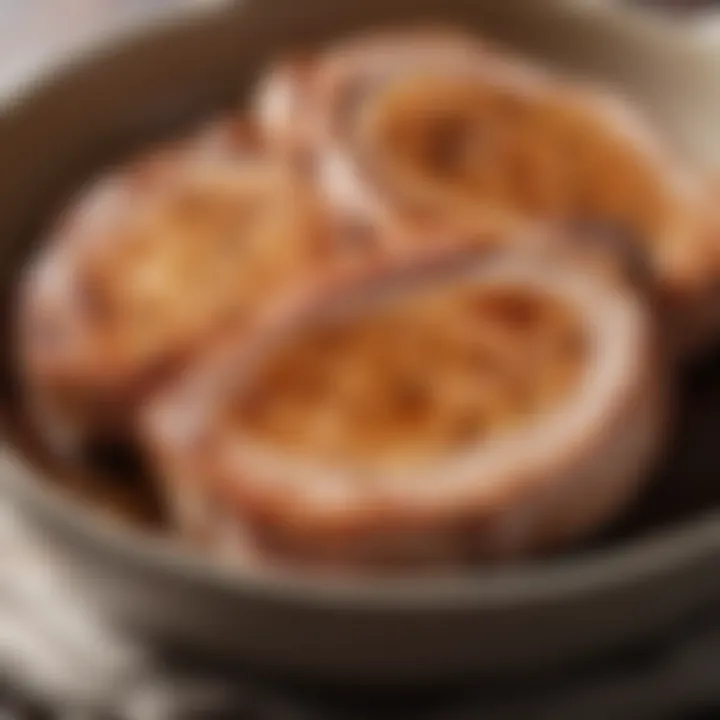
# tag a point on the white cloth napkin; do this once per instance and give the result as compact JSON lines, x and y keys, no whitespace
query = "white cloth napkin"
{"x":56,"y":651}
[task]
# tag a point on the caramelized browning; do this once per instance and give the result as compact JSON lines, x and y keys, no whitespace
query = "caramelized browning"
{"x":137,"y":282}
{"x":464,"y":144}
{"x":200,"y":253}
{"x":434,"y":372}
{"x":197,"y":253}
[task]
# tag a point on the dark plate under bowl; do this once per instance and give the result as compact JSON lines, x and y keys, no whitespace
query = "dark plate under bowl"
{"x":654,"y":569}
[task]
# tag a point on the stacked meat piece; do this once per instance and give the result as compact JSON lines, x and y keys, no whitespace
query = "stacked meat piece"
{"x":420,"y":304}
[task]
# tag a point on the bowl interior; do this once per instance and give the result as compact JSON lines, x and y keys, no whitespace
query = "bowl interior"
{"x":114,"y":98}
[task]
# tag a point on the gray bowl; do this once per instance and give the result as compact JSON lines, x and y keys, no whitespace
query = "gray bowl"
{"x":137,"y":84}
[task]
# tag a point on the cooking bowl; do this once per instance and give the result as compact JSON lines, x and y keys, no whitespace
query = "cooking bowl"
{"x":657,"y":568}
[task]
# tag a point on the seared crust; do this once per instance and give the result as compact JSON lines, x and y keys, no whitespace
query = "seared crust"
{"x":550,"y":481}
{"x":547,"y":151}
{"x":148,"y":265}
